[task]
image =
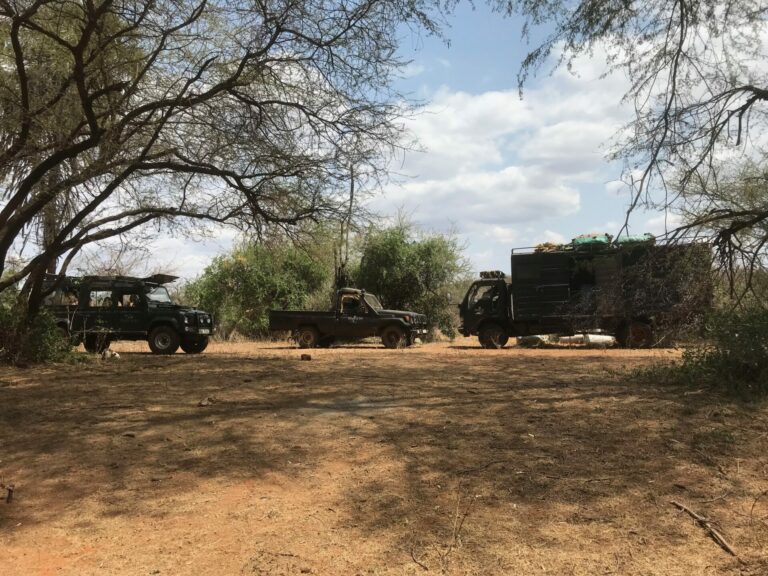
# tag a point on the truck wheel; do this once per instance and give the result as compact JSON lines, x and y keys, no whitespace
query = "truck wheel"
{"x":307,"y":337}
{"x":96,"y":343}
{"x":635,"y":334}
{"x":163,"y":340}
{"x":393,"y":337}
{"x":194,"y":345}
{"x":492,"y":336}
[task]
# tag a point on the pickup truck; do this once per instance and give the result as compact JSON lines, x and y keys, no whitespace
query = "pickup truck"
{"x":97,"y":310}
{"x":355,"y":314}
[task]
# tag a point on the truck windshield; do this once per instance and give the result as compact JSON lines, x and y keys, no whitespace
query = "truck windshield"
{"x":158,"y":294}
{"x":373,"y":302}
{"x":483,"y":299}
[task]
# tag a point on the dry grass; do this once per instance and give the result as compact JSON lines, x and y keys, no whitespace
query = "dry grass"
{"x":444,"y":458}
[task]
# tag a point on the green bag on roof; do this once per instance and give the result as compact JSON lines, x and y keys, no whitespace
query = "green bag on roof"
{"x":591,"y":240}
{"x":646,"y":238}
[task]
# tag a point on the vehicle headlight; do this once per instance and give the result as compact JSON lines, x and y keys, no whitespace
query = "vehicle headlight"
{"x":186,"y":319}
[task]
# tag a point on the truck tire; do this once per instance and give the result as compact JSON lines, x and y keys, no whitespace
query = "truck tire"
{"x":96,"y":343}
{"x":307,"y":337}
{"x":393,"y":337}
{"x":163,"y":340}
{"x":635,"y":334}
{"x":194,"y":345}
{"x":492,"y":336}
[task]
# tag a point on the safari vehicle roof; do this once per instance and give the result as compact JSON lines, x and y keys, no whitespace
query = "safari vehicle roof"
{"x":111,"y":282}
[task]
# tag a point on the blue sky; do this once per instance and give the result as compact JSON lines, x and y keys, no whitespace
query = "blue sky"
{"x":499,"y":170}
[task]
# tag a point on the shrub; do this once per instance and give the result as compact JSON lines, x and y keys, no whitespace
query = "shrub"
{"x":241,"y":287}
{"x":412,"y":271}
{"x":734,"y":357}
{"x":35,"y":342}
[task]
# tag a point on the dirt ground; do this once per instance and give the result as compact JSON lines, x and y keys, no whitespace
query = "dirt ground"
{"x":439,"y":459}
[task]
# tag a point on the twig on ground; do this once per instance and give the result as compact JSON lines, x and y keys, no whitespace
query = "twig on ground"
{"x":413,"y":557}
{"x":754,"y":503}
{"x":725,"y":495}
{"x":704,"y":523}
{"x":483,"y":467}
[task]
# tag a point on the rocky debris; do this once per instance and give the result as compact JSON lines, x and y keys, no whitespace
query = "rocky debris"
{"x":207,"y":401}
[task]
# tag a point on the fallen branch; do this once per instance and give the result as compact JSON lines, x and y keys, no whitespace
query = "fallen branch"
{"x":483,"y":467}
{"x":413,"y":557}
{"x":704,"y":523}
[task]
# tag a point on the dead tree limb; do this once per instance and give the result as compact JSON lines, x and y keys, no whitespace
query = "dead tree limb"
{"x":704,"y":523}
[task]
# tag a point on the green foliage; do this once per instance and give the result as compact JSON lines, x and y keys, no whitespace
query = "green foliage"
{"x":240,"y":288}
{"x":734,"y":358}
{"x":408,"y":271}
{"x":36,"y":342}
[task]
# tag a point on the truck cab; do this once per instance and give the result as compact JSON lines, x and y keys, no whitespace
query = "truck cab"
{"x":486,"y":310}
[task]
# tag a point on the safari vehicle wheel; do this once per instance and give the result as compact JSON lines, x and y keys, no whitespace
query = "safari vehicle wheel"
{"x":635,"y":334}
{"x":194,"y":345}
{"x":96,"y":343}
{"x":307,"y":337}
{"x":492,"y":336}
{"x":163,"y":340}
{"x":393,"y":337}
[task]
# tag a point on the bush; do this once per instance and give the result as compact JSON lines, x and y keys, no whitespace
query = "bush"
{"x":734,"y":358}
{"x":240,"y":288}
{"x":410,"y":271}
{"x":36,"y":342}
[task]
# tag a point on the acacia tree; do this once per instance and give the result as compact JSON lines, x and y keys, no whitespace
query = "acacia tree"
{"x":699,"y":86}
{"x":137,"y":112}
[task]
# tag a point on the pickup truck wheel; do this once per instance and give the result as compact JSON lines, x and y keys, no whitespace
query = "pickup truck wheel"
{"x":96,"y":343}
{"x":393,"y":337}
{"x":492,"y":336}
{"x":163,"y":340}
{"x":194,"y":345}
{"x":307,"y":337}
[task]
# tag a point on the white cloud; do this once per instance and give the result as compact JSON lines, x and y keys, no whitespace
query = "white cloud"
{"x":660,"y":224}
{"x":513,"y":195}
{"x":412,"y":69}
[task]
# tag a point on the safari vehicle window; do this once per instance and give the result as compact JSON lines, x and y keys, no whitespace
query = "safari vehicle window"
{"x":373,"y":302}
{"x":61,"y":297}
{"x":128,"y":300}
{"x":350,"y":305}
{"x":158,"y":295}
{"x":100,"y":299}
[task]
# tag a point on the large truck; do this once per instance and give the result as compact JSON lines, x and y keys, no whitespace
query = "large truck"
{"x":637,"y":291}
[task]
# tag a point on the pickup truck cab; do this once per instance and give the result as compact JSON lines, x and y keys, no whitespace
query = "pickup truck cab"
{"x":355,"y":314}
{"x":97,"y":310}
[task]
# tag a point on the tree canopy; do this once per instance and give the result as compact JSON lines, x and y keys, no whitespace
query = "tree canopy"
{"x":241,"y":287}
{"x":124,"y":114}
{"x":699,"y":87}
{"x":409,"y":270}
